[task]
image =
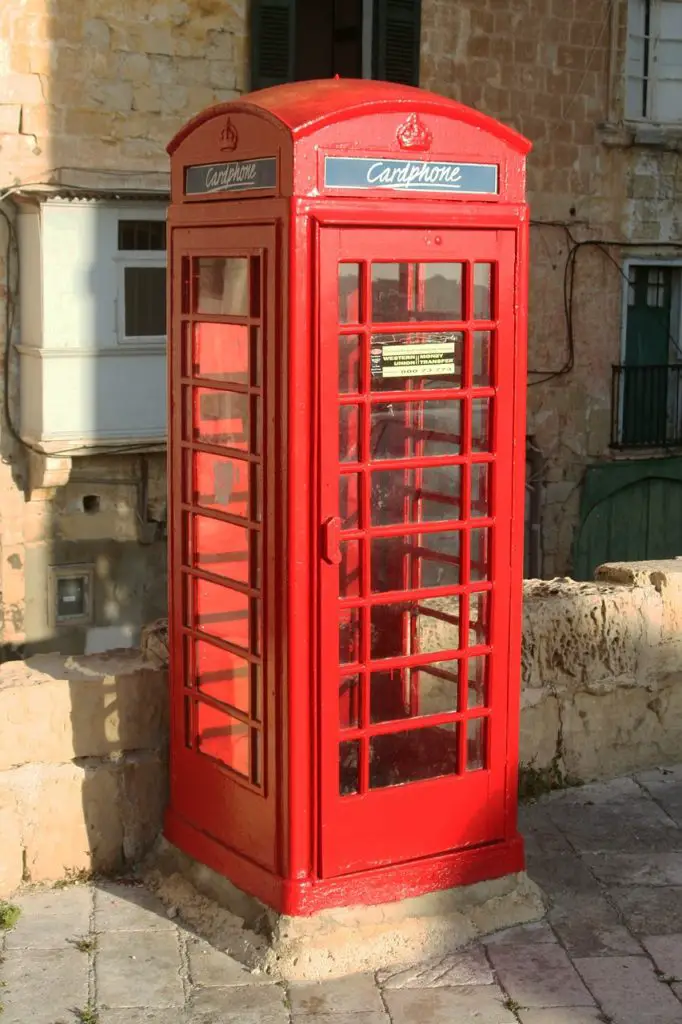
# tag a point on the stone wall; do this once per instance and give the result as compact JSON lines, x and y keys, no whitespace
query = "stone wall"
{"x":83,"y":752}
{"x":82,"y":765}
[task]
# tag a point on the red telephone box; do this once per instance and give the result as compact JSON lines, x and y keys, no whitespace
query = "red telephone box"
{"x":347,"y":392}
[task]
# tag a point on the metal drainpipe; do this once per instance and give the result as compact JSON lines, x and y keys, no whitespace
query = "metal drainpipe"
{"x":533,"y":533}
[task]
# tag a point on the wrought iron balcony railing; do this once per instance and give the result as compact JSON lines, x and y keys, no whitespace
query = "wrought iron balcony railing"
{"x":646,"y":406}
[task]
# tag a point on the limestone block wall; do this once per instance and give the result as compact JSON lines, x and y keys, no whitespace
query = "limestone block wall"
{"x":82,"y":764}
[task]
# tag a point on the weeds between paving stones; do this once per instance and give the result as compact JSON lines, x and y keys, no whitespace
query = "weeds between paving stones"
{"x":86,"y":944}
{"x":88,"y":1016}
{"x":511,"y":1005}
{"x":9,"y":915}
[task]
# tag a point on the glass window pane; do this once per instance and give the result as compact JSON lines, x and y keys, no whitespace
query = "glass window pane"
{"x":255,"y":286}
{"x":349,"y":433}
{"x":144,"y":296}
{"x":441,"y":493}
{"x":414,"y":627}
{"x":413,"y":755}
{"x":349,"y":569}
{"x":349,"y":363}
{"x":390,"y":285}
{"x":221,"y":612}
{"x":480,"y":555}
{"x":219,"y":483}
{"x":480,"y":489}
{"x":402,"y":361}
{"x":222,"y":675}
{"x":349,"y":636}
{"x":349,"y":293}
{"x":401,"y":693}
{"x":221,"y":351}
{"x":349,"y":702}
{"x":441,"y":285}
{"x":478,"y":681}
{"x":142,"y":235}
{"x":223,"y":738}
{"x":223,"y":548}
{"x":481,"y":359}
{"x":349,"y":767}
{"x":349,"y":501}
{"x":482,"y":291}
{"x":396,"y":497}
{"x":221,"y":285}
{"x":403,"y":430}
{"x":477,"y":735}
{"x":479,"y":622}
{"x":221,"y":418}
{"x":480,"y":425}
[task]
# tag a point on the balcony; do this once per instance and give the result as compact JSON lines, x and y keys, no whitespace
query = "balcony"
{"x":646,"y":403}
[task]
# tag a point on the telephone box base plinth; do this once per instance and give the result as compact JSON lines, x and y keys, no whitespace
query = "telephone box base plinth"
{"x":342,"y":939}
{"x":387,"y":884}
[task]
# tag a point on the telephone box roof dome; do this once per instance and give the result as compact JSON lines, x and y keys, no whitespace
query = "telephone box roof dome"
{"x":305,"y":107}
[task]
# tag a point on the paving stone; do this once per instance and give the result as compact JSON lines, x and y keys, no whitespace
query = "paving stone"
{"x":238,"y":1005}
{"x":596,"y":826}
{"x":209,"y":967}
{"x":52,"y":918}
{"x":343,"y":1018}
{"x":525,"y":934}
{"x":650,"y":910}
{"x":476,"y":1004}
{"x":139,"y":969}
{"x":588,"y":925}
{"x":43,"y":985}
{"x":129,"y":908}
{"x":539,"y":975}
{"x":341,"y":995}
{"x":563,"y":1015}
{"x":665,"y":786}
{"x":666,"y":952}
{"x":468,"y":967}
{"x":563,"y":875}
{"x":628,"y":990}
{"x":131,"y":1016}
{"x":636,"y":868}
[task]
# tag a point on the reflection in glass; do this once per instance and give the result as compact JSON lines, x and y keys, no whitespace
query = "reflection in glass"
{"x":404,"y":292}
{"x":349,"y":363}
{"x":349,"y":767}
{"x":414,"y":627}
{"x":221,"y":417}
{"x":349,"y":501}
{"x":400,"y":693}
{"x":482,"y":291}
{"x":222,"y":612}
{"x":442,"y":291}
{"x":218,"y":483}
{"x":397,"y":498}
{"x":221,"y":351}
{"x":223,"y":737}
{"x":480,"y":425}
{"x":478,"y":681}
{"x":222,"y":675}
{"x":390,"y":286}
{"x":223,"y":549}
{"x":349,"y":702}
{"x":220,"y":285}
{"x":480,"y":555}
{"x":477,"y":734}
{"x":400,"y":431}
{"x":479,"y":625}
{"x":440,"y":554}
{"x":349,"y":569}
{"x":349,"y":293}
{"x":480,"y":493}
{"x":441,"y":493}
{"x":413,"y":755}
{"x":349,"y":636}
{"x":349,"y":433}
{"x":481,"y":373}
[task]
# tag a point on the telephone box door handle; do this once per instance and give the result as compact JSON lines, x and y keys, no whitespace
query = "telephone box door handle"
{"x":331,"y":547}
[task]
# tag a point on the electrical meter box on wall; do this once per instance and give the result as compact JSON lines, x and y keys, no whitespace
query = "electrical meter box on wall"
{"x":347,"y":390}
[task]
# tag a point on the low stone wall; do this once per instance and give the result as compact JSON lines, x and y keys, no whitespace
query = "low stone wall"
{"x":82,"y":764}
{"x":83,"y":739}
{"x":602,"y":672}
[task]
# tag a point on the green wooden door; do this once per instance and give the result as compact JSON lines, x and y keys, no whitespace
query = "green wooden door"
{"x":647,"y":340}
{"x":630,"y":511}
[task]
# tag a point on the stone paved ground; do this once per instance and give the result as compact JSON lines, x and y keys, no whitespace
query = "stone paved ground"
{"x":609,"y":856}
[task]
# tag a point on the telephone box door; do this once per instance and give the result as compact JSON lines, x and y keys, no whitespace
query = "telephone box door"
{"x":416,"y":414}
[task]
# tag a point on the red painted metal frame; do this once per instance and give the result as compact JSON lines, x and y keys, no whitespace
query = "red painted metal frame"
{"x":277,"y":854}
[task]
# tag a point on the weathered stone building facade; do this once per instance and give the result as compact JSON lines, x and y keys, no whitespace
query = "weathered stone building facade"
{"x":90,"y":96}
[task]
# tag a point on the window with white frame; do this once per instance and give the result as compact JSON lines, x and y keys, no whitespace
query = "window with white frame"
{"x":654,"y":61}
{"x":141,"y":298}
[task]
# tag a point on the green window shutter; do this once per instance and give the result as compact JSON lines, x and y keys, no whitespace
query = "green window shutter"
{"x":272,"y":42}
{"x":397,"y":26}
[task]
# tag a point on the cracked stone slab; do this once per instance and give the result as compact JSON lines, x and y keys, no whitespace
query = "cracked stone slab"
{"x":666,"y":953}
{"x":239,"y":1005}
{"x":43,"y":985}
{"x":51,"y":919}
{"x":469,"y":967}
{"x":660,"y":869}
{"x":628,"y":990}
{"x":129,"y":908}
{"x":650,"y":910}
{"x":209,"y":967}
{"x":539,"y":976}
{"x":139,"y":969}
{"x":588,"y":925}
{"x":524,"y":934}
{"x":665,"y":786}
{"x":475,"y":1004}
{"x":562,"y":1015}
{"x":354,"y":994}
